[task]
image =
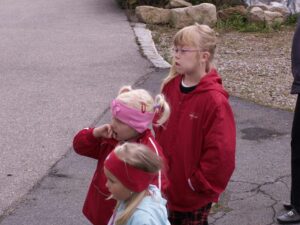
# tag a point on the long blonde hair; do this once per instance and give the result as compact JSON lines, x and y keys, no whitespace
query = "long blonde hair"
{"x":141,"y":157}
{"x":135,"y":97}
{"x":199,"y":36}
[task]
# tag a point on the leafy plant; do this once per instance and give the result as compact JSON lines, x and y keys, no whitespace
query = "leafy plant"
{"x":220,"y":4}
{"x":131,"y":4}
{"x":240,"y":23}
{"x":292,"y":19}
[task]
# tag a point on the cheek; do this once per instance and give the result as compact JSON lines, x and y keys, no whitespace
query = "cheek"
{"x":123,"y":194}
{"x":117,"y":126}
{"x":113,"y":124}
{"x":121,"y":129}
{"x":118,"y":192}
{"x":192,"y":60}
{"x":129,"y":130}
{"x":125,"y":129}
{"x":189,"y":61}
{"x":107,"y":184}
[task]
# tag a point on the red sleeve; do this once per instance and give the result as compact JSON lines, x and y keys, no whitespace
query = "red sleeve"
{"x":86,"y":144}
{"x":218,"y":158}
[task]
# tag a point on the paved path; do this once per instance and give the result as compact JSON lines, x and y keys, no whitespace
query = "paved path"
{"x":259,"y":185}
{"x":62,"y":61}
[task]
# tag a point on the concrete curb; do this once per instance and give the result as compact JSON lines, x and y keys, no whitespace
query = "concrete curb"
{"x":145,"y":40}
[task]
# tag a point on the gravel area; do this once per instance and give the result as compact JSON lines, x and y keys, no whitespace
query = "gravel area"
{"x":253,"y":66}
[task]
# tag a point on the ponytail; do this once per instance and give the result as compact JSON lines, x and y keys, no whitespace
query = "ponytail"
{"x":125,"y":89}
{"x":130,"y":207}
{"x":135,"y":97}
{"x":162,"y":107}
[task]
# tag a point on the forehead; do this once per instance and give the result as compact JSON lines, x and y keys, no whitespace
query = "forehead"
{"x":185,"y":37}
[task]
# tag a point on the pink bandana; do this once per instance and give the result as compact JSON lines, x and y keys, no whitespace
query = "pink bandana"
{"x":137,"y":119}
{"x":131,"y":177}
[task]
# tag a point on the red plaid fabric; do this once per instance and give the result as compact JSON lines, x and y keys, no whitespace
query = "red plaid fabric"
{"x":198,"y":217}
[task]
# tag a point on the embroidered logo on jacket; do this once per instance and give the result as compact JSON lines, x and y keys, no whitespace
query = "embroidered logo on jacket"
{"x":193,"y":116}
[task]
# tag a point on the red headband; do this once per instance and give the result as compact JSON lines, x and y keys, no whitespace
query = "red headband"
{"x":131,"y":177}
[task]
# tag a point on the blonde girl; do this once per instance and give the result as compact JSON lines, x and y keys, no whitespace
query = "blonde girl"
{"x":129,"y":170}
{"x":132,"y":114}
{"x":199,"y":137}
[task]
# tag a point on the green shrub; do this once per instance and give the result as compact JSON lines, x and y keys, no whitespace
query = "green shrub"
{"x":219,"y":3}
{"x":131,"y":4}
{"x":292,"y":19}
{"x":159,"y":3}
{"x":240,"y":23}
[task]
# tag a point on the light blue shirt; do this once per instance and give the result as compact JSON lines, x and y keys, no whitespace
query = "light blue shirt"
{"x":151,"y":211}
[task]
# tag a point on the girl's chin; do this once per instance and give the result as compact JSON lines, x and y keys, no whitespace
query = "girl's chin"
{"x":179,"y":70}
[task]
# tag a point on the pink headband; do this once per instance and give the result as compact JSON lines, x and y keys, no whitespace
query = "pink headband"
{"x":131,"y":177}
{"x":137,"y":119}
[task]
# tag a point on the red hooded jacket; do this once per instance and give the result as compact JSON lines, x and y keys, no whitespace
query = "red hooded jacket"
{"x":96,"y":208}
{"x":199,"y":142}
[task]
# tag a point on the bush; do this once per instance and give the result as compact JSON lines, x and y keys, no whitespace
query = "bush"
{"x":220,"y":3}
{"x":240,"y":23}
{"x":131,"y":4}
{"x":292,"y":19}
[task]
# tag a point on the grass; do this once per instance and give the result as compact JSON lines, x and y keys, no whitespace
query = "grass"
{"x":292,"y":19}
{"x":240,"y":23}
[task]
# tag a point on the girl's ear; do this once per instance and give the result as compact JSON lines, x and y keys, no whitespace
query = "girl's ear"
{"x":205,"y":56}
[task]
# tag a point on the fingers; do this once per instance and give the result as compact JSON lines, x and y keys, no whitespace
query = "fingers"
{"x":104,"y":131}
{"x":109,"y":131}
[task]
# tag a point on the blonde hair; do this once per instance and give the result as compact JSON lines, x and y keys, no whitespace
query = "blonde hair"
{"x":199,"y":36}
{"x":134,"y":98}
{"x":141,"y":157}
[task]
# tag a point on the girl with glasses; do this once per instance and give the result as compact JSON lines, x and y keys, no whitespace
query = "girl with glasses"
{"x":199,"y":138}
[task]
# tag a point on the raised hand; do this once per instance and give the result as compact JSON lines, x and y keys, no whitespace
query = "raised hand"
{"x":104,"y":131}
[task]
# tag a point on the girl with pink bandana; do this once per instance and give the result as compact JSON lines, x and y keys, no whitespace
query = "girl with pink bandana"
{"x":132,"y":114}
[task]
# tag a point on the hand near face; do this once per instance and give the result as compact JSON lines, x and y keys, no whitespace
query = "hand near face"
{"x":104,"y":131}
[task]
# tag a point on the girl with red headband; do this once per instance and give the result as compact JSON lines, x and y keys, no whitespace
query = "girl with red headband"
{"x":132,"y":114}
{"x":130,"y":169}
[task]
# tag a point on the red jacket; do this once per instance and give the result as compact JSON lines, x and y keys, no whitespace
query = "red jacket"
{"x":199,"y":142}
{"x":96,"y":208}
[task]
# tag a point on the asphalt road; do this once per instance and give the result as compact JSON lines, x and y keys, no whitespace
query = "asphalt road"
{"x":254,"y":196}
{"x":62,"y":61}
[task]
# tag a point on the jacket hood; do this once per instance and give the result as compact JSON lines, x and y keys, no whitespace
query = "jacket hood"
{"x":155,"y":205}
{"x":151,"y":210}
{"x":211,"y":81}
{"x":155,"y":194}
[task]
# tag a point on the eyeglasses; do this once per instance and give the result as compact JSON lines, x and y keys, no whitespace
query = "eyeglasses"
{"x":182,"y":51}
